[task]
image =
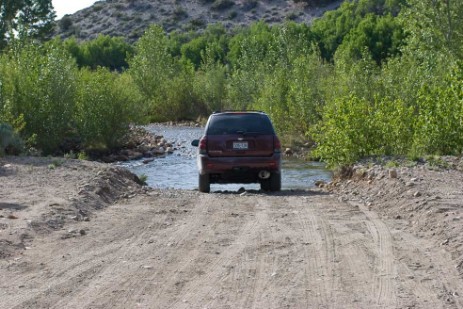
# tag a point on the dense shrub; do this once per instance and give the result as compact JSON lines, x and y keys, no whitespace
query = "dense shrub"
{"x":10,"y":142}
{"x":65,"y":23}
{"x":104,"y":51}
{"x":39,"y":83}
{"x":57,"y":108}
{"x":353,"y":128}
{"x":106,"y":105}
{"x":220,"y":5}
{"x":439,"y":124}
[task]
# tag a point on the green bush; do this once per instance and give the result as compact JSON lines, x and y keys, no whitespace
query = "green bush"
{"x":220,"y":5}
{"x":165,"y":84}
{"x":66,"y":23}
{"x":39,"y":83}
{"x":209,"y":87}
{"x":353,"y":128}
{"x":10,"y":142}
{"x":439,"y":128}
{"x":106,"y":105}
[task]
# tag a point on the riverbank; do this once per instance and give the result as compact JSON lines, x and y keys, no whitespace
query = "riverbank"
{"x":425,"y":197}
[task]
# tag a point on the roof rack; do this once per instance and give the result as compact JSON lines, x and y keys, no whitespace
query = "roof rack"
{"x":237,"y":110}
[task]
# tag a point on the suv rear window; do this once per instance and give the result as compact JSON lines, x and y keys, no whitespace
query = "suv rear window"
{"x":222,"y":124}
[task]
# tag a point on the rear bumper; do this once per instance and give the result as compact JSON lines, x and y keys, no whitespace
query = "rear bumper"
{"x":237,"y":169}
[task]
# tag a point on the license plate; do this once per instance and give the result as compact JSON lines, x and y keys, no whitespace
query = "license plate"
{"x":240,"y":145}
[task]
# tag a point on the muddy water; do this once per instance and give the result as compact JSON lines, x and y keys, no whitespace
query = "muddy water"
{"x":179,"y":170}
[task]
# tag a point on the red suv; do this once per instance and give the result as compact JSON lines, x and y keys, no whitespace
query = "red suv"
{"x":239,"y":147}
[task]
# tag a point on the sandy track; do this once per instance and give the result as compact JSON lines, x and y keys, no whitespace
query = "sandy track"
{"x":183,"y":249}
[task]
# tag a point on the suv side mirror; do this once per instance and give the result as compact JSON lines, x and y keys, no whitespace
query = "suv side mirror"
{"x":195,"y":143}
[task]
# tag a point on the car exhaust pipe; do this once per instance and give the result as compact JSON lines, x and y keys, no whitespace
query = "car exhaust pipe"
{"x":264,"y":174}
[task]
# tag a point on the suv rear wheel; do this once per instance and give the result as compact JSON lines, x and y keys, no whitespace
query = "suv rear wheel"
{"x":204,"y":183}
{"x":272,"y":184}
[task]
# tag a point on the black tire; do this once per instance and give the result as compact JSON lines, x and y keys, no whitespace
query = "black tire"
{"x":265,"y":185}
{"x":204,"y":184}
{"x":271,"y":184}
{"x":275,"y":182}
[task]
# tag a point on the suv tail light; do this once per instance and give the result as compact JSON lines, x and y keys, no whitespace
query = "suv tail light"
{"x":276,"y":144}
{"x":203,"y":145}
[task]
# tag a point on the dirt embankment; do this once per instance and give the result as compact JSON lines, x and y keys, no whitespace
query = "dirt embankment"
{"x":427,"y":197}
{"x":79,"y":234}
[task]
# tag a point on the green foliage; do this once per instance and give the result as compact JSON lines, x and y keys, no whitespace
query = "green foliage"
{"x":439,"y":128}
{"x":82,"y":156}
{"x":26,"y":18}
{"x":210,"y":82}
{"x":10,"y":142}
{"x":220,"y":5}
{"x":39,"y":83}
{"x":214,"y":39}
{"x":381,"y":36}
{"x":434,"y":25}
{"x":360,"y":24}
{"x":57,"y":108}
{"x":104,"y":51}
{"x":65,"y":23}
{"x":370,"y":78}
{"x":105,"y":108}
{"x":353,"y":128}
{"x":143,"y":178}
{"x":164,"y":83}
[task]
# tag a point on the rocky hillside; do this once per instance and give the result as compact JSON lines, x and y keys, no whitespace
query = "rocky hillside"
{"x":129,"y":18}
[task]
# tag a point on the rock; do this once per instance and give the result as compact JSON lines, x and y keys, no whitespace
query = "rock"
{"x":409,"y":184}
{"x":288,"y":152}
{"x":135,"y":155}
{"x":417,"y":194}
{"x":146,"y":161}
{"x":320,"y":183}
{"x":148,"y":154}
{"x":82,"y":232}
{"x":160,"y":151}
{"x":393,"y":173}
{"x":360,"y":172}
{"x":170,"y":150}
{"x":143,"y":149}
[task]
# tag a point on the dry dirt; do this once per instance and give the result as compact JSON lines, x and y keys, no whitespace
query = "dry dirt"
{"x":79,"y":234}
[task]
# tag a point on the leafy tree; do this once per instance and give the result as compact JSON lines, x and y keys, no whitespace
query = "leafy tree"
{"x":39,"y":85}
{"x":106,"y":105}
{"x":165,"y":84}
{"x":381,"y":36}
{"x":214,"y":39}
{"x":435,"y":25}
{"x":332,"y":29}
{"x":210,"y":84}
{"x":29,"y":18}
{"x":106,"y":51}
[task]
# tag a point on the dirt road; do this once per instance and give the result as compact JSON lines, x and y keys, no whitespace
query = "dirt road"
{"x":119,"y":245}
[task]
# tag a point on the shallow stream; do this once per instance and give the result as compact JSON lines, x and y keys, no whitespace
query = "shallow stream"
{"x":179,"y":170}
